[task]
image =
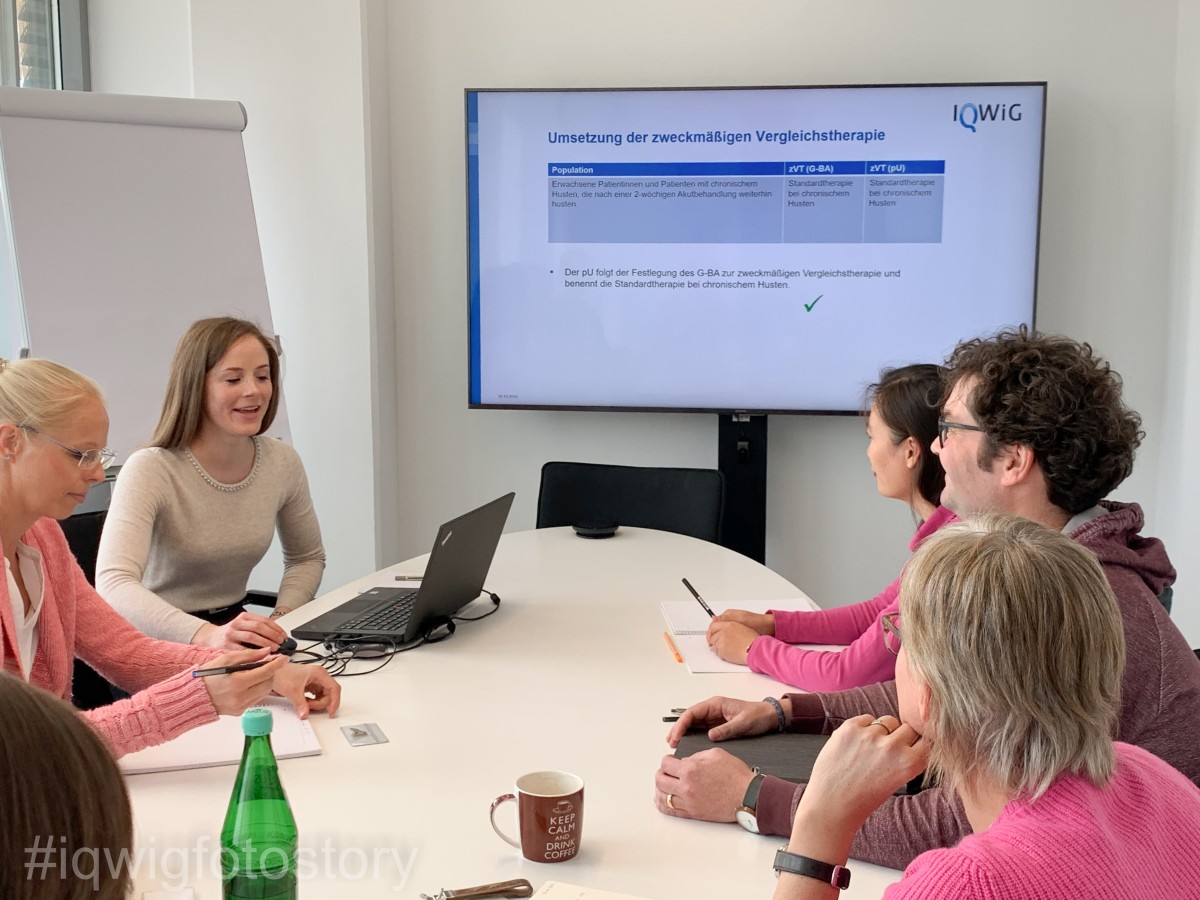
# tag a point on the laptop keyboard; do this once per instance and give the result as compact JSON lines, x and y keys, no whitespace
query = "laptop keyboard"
{"x":391,"y":618}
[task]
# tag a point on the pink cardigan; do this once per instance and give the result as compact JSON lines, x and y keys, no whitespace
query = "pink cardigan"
{"x":1136,"y":838}
{"x":865,"y":661}
{"x":77,"y":622}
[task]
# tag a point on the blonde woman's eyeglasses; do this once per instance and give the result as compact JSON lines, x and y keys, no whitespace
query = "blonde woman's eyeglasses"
{"x":87,"y":459}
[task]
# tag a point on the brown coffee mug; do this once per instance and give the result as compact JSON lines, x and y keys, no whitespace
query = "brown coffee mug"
{"x":550,"y":815}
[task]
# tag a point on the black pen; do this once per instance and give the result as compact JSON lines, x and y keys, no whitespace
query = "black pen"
{"x":225,"y":670}
{"x":687,"y":584}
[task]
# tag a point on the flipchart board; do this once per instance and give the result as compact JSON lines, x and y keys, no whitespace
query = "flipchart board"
{"x":125,"y":219}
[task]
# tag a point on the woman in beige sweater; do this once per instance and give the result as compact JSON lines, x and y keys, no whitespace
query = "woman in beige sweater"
{"x":194,"y":512}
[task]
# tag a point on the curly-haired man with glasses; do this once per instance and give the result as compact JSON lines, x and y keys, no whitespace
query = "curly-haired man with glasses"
{"x":1032,"y":425}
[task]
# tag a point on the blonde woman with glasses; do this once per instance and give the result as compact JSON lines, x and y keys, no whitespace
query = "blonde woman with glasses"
{"x":1009,"y":655}
{"x":53,"y":430}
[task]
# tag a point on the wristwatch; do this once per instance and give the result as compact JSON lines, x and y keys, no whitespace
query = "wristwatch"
{"x":795,"y":864}
{"x":747,"y":813}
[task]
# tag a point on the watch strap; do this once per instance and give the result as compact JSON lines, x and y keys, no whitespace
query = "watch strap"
{"x":750,"y":799}
{"x":795,"y":864}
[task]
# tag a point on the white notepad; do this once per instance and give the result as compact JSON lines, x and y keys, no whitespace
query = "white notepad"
{"x":220,"y":743}
{"x":688,"y":617}
{"x":689,"y":624}
{"x":702,"y":660}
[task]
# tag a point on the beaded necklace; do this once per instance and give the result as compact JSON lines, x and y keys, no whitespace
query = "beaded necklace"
{"x":229,"y":488}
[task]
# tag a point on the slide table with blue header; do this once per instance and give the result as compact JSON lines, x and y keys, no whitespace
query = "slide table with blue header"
{"x":571,"y":673}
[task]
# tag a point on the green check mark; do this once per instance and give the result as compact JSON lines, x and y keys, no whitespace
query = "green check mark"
{"x":808,"y":307}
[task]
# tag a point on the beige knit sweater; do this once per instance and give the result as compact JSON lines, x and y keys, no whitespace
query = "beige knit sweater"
{"x":174,"y":542}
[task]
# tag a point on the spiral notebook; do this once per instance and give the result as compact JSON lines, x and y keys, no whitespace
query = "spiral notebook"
{"x":687,"y":616}
{"x":220,"y":743}
{"x":688,"y":622}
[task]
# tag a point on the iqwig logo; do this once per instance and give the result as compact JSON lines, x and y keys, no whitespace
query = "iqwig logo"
{"x":971,"y":115}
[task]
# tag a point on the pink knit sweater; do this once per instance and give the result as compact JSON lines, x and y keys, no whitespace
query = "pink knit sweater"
{"x":865,"y":661}
{"x":76,"y":622}
{"x":1137,"y":838}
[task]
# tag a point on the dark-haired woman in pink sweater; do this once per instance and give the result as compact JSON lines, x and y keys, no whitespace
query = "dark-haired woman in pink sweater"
{"x":901,"y":424}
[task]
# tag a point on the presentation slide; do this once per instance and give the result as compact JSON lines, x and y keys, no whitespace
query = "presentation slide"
{"x":744,"y":249}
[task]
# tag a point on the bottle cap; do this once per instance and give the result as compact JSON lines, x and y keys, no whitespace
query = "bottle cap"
{"x":257,"y":721}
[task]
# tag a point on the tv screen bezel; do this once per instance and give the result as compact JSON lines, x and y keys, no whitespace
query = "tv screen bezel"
{"x":472,"y":232}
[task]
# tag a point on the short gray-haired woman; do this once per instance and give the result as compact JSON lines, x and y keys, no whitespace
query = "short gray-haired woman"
{"x":1010,"y":651}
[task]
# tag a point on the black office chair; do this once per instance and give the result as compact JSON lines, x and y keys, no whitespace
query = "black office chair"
{"x":685,"y":501}
{"x":1166,"y":598}
{"x":89,"y":689}
{"x":83,"y":537}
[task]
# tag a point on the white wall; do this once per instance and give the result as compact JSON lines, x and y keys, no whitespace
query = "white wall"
{"x":141,"y":47}
{"x":1105,"y":235}
{"x":1179,"y":481}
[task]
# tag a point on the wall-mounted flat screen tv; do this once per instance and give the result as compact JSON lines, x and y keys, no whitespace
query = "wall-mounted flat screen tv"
{"x":742,"y":249}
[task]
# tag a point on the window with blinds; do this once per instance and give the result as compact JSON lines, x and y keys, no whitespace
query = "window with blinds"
{"x":31,"y":43}
{"x":43,"y":44}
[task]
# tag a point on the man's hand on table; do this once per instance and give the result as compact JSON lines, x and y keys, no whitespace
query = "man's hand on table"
{"x":726,"y":718}
{"x":708,"y":785}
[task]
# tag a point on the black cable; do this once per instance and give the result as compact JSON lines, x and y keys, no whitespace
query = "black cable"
{"x":341,"y":650}
{"x":365,"y":647}
{"x":307,"y":651}
{"x":495,"y":606}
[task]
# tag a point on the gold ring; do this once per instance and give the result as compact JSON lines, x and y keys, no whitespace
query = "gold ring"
{"x":670,"y":801}
{"x":882,"y":725}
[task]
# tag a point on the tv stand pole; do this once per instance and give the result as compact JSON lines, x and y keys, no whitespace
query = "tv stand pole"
{"x":742,"y":459}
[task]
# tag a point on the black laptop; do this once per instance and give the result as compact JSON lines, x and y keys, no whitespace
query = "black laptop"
{"x":461,"y":557}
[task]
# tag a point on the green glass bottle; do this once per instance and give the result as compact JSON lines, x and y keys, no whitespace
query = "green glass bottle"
{"x":258,"y":840}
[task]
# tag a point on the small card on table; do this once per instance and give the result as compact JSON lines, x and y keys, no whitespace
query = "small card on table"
{"x":364,"y":734}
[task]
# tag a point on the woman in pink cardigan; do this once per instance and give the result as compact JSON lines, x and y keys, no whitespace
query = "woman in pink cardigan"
{"x":901,"y":425}
{"x":53,"y":428}
{"x":1009,"y":659}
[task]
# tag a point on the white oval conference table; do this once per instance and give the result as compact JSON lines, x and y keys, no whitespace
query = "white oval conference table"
{"x":571,"y":673}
